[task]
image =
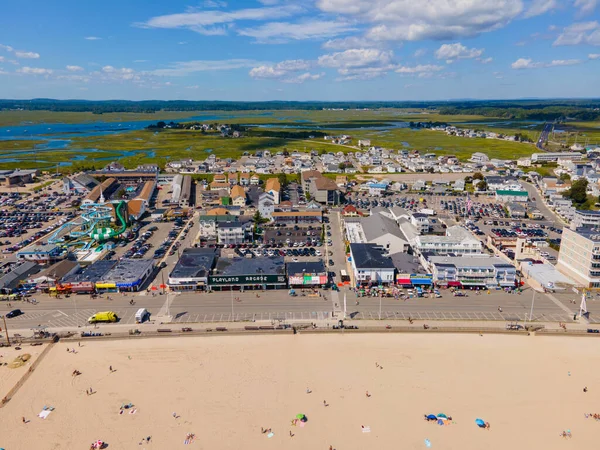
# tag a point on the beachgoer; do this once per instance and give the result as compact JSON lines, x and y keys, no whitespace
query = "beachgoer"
{"x":23,"y":419}
{"x":110,"y":368}
{"x":487,"y":425}
{"x":367,"y":394}
{"x":291,"y":434}
{"x":585,"y":389}
{"x":331,"y":447}
{"x":325,"y":403}
{"x":499,"y":309}
{"x":91,"y":391}
{"x":175,"y":415}
{"x":262,"y":430}
{"x":308,"y":391}
{"x":67,"y":349}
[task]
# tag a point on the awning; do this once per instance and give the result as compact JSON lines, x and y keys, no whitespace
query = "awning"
{"x":426,"y":281}
{"x":454,"y":283}
{"x":106,"y":285}
{"x":403,"y":281}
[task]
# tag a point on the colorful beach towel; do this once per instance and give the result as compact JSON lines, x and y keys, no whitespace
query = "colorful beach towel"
{"x":366,"y":429}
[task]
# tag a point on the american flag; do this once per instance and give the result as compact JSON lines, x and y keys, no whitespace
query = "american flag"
{"x":469,"y":202}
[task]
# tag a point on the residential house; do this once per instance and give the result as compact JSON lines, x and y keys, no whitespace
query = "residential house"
{"x":273,"y":187}
{"x":238,"y":196}
{"x":266,"y":205}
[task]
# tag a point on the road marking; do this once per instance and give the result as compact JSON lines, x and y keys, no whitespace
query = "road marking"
{"x":66,"y":315}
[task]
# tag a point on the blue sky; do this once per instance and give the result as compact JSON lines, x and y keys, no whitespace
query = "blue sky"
{"x":300,"y":49}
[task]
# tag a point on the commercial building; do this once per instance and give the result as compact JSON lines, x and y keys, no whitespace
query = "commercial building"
{"x":17,"y":276}
{"x":370,"y":266}
{"x":101,"y":191}
{"x":248,"y":273}
{"x":307,"y":274}
{"x":547,"y":157}
{"x":512,"y":196}
{"x":192,"y":270}
{"x":480,"y":271}
{"x":297,"y":217}
{"x":320,"y":188}
{"x":54,"y":274}
{"x":127,"y":275}
{"x":42,"y":254}
{"x":235,"y":232}
{"x":377,"y":229}
{"x":181,"y":190}
{"x":579,"y":256}
{"x":458,"y":241}
{"x":266,"y":205}
{"x":585,"y":219}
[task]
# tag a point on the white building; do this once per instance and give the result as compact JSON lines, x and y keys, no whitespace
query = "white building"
{"x":482,"y":271}
{"x":458,"y":241}
{"x":546,"y":157}
{"x":479,"y":158}
{"x":370,"y":266}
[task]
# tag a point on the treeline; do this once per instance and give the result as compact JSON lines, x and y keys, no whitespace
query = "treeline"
{"x":586,"y":109}
{"x":528,"y":112}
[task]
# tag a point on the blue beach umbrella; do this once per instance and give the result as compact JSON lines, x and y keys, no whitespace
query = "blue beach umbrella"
{"x":480,"y":423}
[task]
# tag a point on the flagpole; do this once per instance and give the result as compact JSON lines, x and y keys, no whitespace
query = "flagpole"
{"x":344,"y":305}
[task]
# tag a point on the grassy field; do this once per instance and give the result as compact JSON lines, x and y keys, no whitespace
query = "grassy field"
{"x":143,"y":146}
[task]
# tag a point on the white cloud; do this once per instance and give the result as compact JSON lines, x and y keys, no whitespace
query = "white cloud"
{"x":434,"y":19}
{"x":485,"y":60}
{"x":8,"y":48}
{"x":594,"y":56}
{"x":349,"y":43}
{"x":278,"y":32}
{"x":140,"y":60}
{"x":75,"y":68}
{"x":195,"y":86}
{"x":528,"y":63}
{"x":421,"y":68}
{"x":285,"y":71}
{"x":359,"y":63}
{"x":34,"y":71}
{"x":356,"y":58}
{"x":184,"y":68}
{"x":539,"y":7}
{"x":212,"y":21}
{"x":586,"y":6}
{"x":214,"y":4}
{"x":1,"y":58}
{"x":92,"y":38}
{"x":420,"y":52}
{"x":451,"y":52}
{"x":123,"y":73}
{"x":579,"y":33}
{"x":27,"y":55}
{"x":182,"y":43}
{"x":3,"y":72}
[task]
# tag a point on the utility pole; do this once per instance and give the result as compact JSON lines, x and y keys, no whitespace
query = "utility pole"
{"x":6,"y":329}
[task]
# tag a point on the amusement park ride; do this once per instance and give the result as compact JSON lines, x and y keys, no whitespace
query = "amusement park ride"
{"x":92,"y":226}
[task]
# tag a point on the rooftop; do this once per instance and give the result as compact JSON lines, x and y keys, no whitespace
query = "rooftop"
{"x":93,"y":272}
{"x":128,"y":270}
{"x":194,"y":263}
{"x":475,"y":261}
{"x":370,"y":256}
{"x":273,"y":265}
{"x":377,"y":225}
{"x":294,"y":268}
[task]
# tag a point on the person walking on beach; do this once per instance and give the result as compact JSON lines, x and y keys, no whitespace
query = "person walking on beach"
{"x":367,"y":394}
{"x":23,"y":419}
{"x":325,"y":403}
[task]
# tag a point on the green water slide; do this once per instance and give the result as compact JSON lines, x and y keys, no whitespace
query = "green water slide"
{"x":102,"y":234}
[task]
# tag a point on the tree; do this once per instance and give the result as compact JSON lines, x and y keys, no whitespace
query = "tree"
{"x":120,"y":193}
{"x":578,"y":193}
{"x":478,"y":176}
{"x":565,"y":177}
{"x":482,"y":186}
{"x":283,"y":181}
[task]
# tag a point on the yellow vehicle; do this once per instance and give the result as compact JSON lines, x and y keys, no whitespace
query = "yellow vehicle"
{"x":106,"y":316}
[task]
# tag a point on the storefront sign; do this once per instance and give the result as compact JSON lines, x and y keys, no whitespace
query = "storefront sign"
{"x":310,"y":280}
{"x":246,"y":279}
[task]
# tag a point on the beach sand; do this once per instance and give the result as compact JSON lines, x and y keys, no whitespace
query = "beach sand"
{"x":225,"y":388}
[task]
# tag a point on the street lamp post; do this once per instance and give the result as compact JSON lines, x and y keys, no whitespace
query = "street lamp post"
{"x":6,"y":329}
{"x":380,"y":297}
{"x":531,"y":312}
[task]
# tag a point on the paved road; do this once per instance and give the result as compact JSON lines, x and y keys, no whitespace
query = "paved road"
{"x":278,"y":305}
{"x":544,"y":136}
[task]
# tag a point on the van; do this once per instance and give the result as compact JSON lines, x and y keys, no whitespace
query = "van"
{"x":141,"y":315}
{"x":106,"y":316}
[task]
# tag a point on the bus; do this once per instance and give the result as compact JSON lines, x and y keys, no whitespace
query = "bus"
{"x":344,"y":277}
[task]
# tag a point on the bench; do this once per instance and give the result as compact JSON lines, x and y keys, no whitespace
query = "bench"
{"x":164,"y":330}
{"x":221,"y":329}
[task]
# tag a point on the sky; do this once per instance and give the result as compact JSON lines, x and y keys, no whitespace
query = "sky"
{"x":253,"y":50}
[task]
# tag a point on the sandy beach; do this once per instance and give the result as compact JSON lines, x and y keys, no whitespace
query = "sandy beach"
{"x":225,"y":388}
